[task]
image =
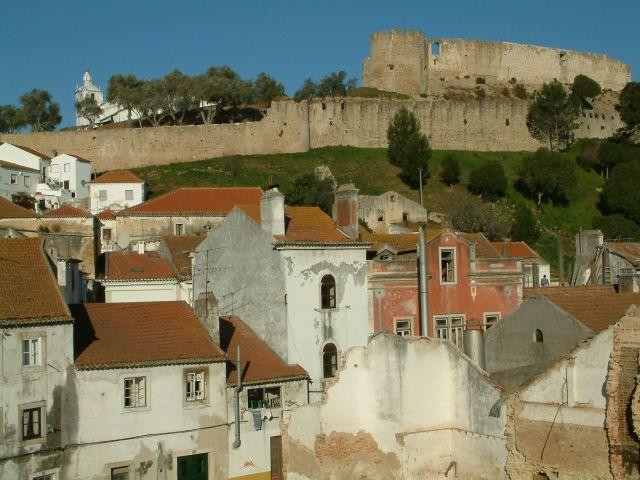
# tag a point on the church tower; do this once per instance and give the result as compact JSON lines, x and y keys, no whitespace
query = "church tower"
{"x":87,"y":89}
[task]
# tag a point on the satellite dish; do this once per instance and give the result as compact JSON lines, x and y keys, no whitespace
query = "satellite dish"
{"x":123,"y":240}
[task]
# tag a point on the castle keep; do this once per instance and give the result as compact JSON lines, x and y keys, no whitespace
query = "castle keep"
{"x":409,"y":62}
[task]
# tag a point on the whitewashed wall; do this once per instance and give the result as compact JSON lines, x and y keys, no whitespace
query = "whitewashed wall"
{"x":115,"y":196}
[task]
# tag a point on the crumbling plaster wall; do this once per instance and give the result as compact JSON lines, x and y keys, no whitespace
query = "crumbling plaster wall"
{"x":155,"y":227}
{"x":392,"y":206}
{"x":403,"y":423}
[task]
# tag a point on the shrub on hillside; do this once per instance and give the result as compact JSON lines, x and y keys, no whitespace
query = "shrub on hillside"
{"x":525,"y":227}
{"x":450,"y":173}
{"x":520,"y":91}
{"x":585,"y":87}
{"x":474,"y":215}
{"x":617,"y":227}
{"x":621,"y":193}
{"x":547,"y":175}
{"x":489,"y":181}
{"x":310,"y":190}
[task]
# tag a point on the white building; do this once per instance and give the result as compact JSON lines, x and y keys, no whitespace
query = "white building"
{"x":110,"y":112}
{"x":72,"y":173}
{"x":17,"y":179}
{"x":149,"y":398}
{"x":27,"y":157}
{"x":115,"y":190}
{"x":293,"y":277}
{"x":36,"y":345}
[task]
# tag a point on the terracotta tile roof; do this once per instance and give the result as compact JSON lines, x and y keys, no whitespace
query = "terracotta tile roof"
{"x":28,"y":290}
{"x":106,"y":215}
{"x":30,"y":150}
{"x":516,"y":250}
{"x":128,"y":266}
{"x":597,"y":307}
{"x":179,"y":247}
{"x":484,"y":248}
{"x":117,"y":176}
{"x":303,"y":225}
{"x":260,"y":363}
{"x":15,"y":166}
{"x":630,"y":251}
{"x":122,"y":335}
{"x":67,"y":211}
{"x":196,"y":201}
{"x":402,"y":242}
{"x":8,"y":209}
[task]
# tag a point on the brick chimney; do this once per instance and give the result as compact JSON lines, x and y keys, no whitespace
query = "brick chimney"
{"x":345,"y":209}
{"x":272,"y":211}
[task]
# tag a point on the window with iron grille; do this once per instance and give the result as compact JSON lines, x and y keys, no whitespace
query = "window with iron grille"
{"x":135,"y":392}
{"x":31,"y":423}
{"x":329,"y":360}
{"x":328,"y":292}
{"x":195,"y":386}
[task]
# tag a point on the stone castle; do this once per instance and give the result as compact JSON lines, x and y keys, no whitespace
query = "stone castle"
{"x":428,"y":70}
{"x":409,"y":62}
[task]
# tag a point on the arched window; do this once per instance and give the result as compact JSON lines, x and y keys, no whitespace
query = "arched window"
{"x":329,"y":360}
{"x":537,"y":336}
{"x":328,"y":292}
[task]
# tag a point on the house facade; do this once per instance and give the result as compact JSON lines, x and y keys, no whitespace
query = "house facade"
{"x":73,"y":173}
{"x":115,"y":190}
{"x":17,"y":180}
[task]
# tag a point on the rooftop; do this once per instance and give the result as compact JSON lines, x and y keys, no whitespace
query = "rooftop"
{"x":28,"y":290}
{"x":8,"y":209}
{"x":106,"y":215}
{"x":129,"y":335}
{"x":401,"y":242}
{"x":630,"y":251}
{"x":29,"y":150}
{"x":117,"y":176}
{"x":260,"y":363}
{"x":596,"y":307}
{"x":67,"y":211}
{"x":484,"y":248}
{"x":196,"y":201}
{"x":15,"y":166}
{"x":133,"y":266}
{"x":180,"y":246}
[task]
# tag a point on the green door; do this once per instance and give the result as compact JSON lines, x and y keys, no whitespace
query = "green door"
{"x":193,"y":467}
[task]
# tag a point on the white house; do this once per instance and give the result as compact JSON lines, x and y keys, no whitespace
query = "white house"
{"x":17,"y":179}
{"x":293,"y":277}
{"x":73,"y":173}
{"x":149,"y":397}
{"x":27,"y":157}
{"x":36,"y":345}
{"x":115,"y":190}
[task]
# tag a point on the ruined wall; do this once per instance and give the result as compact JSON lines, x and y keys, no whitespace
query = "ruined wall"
{"x":402,"y":424}
{"x":392,"y":206}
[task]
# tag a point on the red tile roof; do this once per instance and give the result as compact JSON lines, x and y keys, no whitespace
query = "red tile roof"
{"x":15,"y":166}
{"x":196,"y":201}
{"x":303,"y":225}
{"x":402,"y":242}
{"x":9,"y":209}
{"x":484,"y":248}
{"x":126,"y":335}
{"x":180,"y":246}
{"x":260,"y":364}
{"x":516,"y":250}
{"x":630,"y":251}
{"x":28,"y":290}
{"x":30,"y":150}
{"x":596,"y":307}
{"x":128,"y":266}
{"x":117,"y":176}
{"x":106,"y":215}
{"x":67,"y":211}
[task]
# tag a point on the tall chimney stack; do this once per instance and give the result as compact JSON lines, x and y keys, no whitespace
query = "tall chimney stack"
{"x":345,"y":209}
{"x":272,"y":211}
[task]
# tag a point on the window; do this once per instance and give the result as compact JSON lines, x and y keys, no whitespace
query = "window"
{"x":195,"y":386}
{"x":135,"y":392}
{"x":106,"y":234}
{"x":328,"y":292}
{"x":102,"y":195}
{"x":450,"y":328}
{"x":31,"y":423}
{"x":275,"y":444}
{"x":403,"y":327}
{"x":490,"y":319}
{"x":14,"y":179}
{"x":179,"y":228}
{"x":44,"y":476}
{"x":128,"y":194}
{"x":65,"y":184}
{"x":329,"y":360}
{"x":435,"y":49}
{"x":380,"y":216}
{"x":67,"y":167}
{"x":447,"y":265}
{"x":27,"y":181}
{"x":528,"y":276}
{"x":405,"y":217}
{"x":537,"y":336}
{"x":31,"y":352}
{"x":268,"y":397}
{"x":120,"y":473}
{"x":55,"y":168}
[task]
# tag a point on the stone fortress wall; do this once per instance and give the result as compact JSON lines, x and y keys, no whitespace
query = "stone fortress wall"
{"x":491,"y":123}
{"x":408,"y":62}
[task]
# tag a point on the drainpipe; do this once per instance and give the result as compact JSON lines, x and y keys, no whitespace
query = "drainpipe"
{"x":236,"y":401}
{"x":422,"y":267}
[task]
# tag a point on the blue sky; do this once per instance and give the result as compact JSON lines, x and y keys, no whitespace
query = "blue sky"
{"x":48,"y":44}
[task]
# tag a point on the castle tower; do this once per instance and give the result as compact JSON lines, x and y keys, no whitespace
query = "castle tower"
{"x":398,"y":62}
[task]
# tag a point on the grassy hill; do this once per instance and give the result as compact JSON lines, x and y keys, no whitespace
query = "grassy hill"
{"x":370,"y":170}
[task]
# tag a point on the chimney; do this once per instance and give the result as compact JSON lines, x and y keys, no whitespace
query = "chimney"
{"x":345,"y":209}
{"x":206,"y":309}
{"x":272,"y":211}
{"x":141,"y":248}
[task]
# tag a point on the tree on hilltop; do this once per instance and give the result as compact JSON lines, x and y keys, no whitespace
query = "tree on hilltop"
{"x":332,"y":85}
{"x":267,"y":88}
{"x":408,"y":148}
{"x":307,"y":91}
{"x":88,"y":108}
{"x":123,"y":90}
{"x":220,"y":87}
{"x":11,"y":119}
{"x":177,"y":95}
{"x":39,"y":111}
{"x":552,"y":116}
{"x":547,"y":175}
{"x":629,"y":105}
